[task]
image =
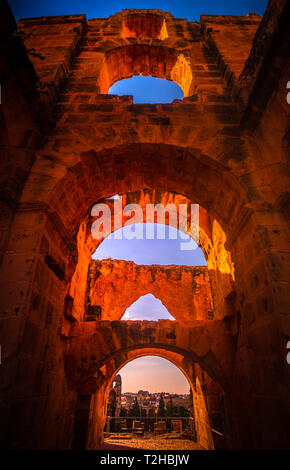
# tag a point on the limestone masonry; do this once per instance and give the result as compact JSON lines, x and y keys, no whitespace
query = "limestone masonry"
{"x":66,"y":144}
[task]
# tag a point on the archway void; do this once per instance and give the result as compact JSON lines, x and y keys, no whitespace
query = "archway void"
{"x":154,"y":374}
{"x":147,"y":307}
{"x":147,"y":89}
{"x":130,"y":243}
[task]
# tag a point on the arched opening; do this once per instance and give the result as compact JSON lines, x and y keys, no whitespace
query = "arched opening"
{"x":156,"y":399}
{"x":141,"y":59}
{"x":147,"y":307}
{"x":120,"y":344}
{"x":147,"y":89}
{"x":194,"y":186}
{"x":126,"y":244}
{"x":162,"y":397}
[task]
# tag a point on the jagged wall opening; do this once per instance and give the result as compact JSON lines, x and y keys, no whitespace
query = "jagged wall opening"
{"x":147,"y":307}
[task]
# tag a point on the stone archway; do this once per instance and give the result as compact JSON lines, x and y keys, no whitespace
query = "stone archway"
{"x":185,"y":171}
{"x":199,"y":178}
{"x":89,"y":346}
{"x":200,"y":410}
{"x":211,"y":239}
{"x":102,"y":174}
{"x":64,"y":204}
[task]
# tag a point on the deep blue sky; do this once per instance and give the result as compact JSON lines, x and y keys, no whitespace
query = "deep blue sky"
{"x":148,"y":89}
{"x":190,"y":9}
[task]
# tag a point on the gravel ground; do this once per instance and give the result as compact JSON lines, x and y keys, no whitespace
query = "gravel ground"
{"x":151,"y":444}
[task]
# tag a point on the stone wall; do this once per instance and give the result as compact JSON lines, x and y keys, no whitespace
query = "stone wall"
{"x":185,"y":291}
{"x":224,"y":146}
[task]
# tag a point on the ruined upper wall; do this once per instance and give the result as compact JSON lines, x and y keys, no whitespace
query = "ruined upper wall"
{"x":185,"y":291}
{"x":104,"y":50}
